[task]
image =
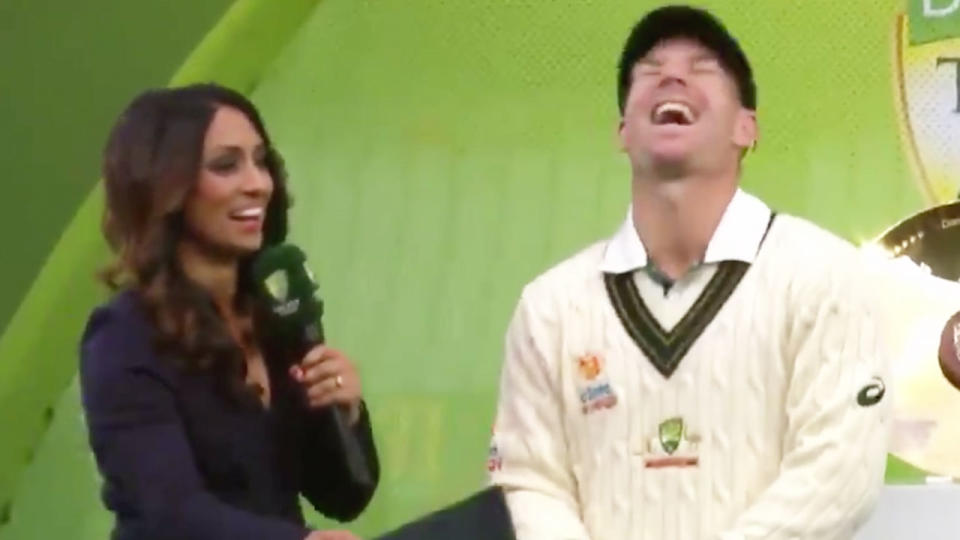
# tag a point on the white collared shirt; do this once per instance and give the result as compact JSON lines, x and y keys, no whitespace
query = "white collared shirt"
{"x":737,"y":237}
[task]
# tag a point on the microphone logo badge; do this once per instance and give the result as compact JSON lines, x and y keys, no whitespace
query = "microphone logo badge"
{"x":287,"y":308}
{"x":309,"y":273}
{"x":278,"y":286}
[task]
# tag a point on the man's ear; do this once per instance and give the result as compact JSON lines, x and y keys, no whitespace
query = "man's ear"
{"x":622,"y":135}
{"x":746,"y":132}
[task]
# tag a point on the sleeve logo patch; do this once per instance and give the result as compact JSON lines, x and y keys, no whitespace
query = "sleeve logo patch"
{"x":872,"y":393}
{"x":494,"y":459}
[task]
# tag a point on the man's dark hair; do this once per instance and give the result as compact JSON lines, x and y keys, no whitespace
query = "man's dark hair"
{"x":692,"y":23}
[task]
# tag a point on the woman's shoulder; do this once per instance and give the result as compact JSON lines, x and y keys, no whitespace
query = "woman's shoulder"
{"x":120,"y":316}
{"x":117,"y":335}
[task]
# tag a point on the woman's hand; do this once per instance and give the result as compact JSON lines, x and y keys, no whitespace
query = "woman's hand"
{"x":332,"y":535}
{"x":328,"y":377}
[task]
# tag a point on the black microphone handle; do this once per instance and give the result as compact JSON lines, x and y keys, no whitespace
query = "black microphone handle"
{"x":350,"y":447}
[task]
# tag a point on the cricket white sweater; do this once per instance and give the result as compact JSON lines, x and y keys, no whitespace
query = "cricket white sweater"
{"x":756,"y":415}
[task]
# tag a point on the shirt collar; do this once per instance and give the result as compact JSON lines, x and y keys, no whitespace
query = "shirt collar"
{"x":737,"y":237}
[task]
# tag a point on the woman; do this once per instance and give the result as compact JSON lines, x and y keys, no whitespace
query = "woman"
{"x":202,"y":427}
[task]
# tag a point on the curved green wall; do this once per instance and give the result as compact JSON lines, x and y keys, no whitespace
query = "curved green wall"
{"x":67,"y":70}
{"x":38,"y":346}
{"x":441,"y":155}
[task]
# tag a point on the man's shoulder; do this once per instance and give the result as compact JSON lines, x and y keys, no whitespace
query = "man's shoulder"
{"x":571,"y":274}
{"x":815,"y":259}
{"x":803,"y":241}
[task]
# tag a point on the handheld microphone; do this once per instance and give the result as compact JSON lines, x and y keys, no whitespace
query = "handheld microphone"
{"x":287,"y":289}
{"x":949,"y":353}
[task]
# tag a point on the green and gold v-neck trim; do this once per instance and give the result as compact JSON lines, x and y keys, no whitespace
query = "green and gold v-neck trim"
{"x":666,"y":348}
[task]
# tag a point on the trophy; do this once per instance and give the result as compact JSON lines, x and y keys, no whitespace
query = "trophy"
{"x":926,"y":249}
{"x":930,"y":239}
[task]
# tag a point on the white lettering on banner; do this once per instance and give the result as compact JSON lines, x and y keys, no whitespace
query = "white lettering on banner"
{"x":930,"y":11}
{"x":949,"y":222}
{"x":288,"y":308}
{"x":956,"y":63}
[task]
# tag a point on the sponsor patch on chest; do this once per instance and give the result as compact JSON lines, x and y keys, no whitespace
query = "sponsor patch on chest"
{"x":593,"y":384}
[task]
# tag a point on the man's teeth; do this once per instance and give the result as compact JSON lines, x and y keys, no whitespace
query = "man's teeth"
{"x":249,"y":213}
{"x":670,"y":108}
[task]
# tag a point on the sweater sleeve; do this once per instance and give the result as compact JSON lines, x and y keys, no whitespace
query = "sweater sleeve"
{"x":528,"y":454}
{"x":327,"y":483}
{"x":141,"y":446}
{"x":837,"y":411}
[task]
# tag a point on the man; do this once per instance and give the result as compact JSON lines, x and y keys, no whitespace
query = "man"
{"x":711,"y":371}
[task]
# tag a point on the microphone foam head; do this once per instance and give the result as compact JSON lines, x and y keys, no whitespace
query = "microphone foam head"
{"x":285,"y":284}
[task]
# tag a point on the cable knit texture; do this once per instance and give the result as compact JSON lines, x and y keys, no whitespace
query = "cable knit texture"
{"x":768,"y":396}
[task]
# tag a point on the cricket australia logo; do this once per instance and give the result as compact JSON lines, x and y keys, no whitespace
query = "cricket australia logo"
{"x":278,"y":285}
{"x":672,"y":446}
{"x":927,"y":68}
{"x":594,"y":387}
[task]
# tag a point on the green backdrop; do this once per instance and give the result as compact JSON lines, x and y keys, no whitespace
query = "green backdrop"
{"x":67,"y":70}
{"x":441,"y":155}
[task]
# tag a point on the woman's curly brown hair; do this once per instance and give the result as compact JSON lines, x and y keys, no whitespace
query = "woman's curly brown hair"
{"x":150,"y":166}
